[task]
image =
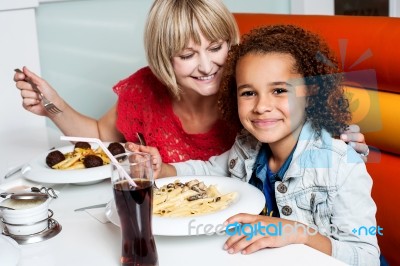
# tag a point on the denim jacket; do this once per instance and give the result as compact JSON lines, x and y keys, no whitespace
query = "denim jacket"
{"x":326,"y":187}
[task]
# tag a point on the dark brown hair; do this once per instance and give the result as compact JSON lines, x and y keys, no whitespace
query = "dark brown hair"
{"x":327,"y":106}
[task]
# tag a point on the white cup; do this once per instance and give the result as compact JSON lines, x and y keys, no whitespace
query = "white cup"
{"x":28,"y":217}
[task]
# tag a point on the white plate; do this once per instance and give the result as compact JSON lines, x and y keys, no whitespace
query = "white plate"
{"x":37,"y":170}
{"x":249,"y":200}
{"x":10,"y":252}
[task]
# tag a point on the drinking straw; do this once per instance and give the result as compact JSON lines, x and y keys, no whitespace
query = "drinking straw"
{"x":105,"y":149}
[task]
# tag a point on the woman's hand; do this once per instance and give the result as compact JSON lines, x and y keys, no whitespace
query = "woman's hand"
{"x":160,"y":169}
{"x":154,"y":153}
{"x":30,"y":99}
{"x":262,"y":232}
{"x":356,"y":140}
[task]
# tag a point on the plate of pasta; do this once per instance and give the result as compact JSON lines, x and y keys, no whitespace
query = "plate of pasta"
{"x":197,"y":205}
{"x":70,"y":169}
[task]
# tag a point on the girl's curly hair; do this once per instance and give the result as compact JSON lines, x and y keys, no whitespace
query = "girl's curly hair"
{"x":314,"y":60}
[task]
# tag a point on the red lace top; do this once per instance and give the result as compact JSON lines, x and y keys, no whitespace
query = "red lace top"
{"x":144,"y":105}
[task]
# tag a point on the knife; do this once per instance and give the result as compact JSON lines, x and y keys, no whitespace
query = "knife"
{"x":13,"y":171}
{"x":92,"y":207}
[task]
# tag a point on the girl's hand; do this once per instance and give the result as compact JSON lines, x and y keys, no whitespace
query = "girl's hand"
{"x":156,"y":160}
{"x":260,"y":233}
{"x":356,"y":140}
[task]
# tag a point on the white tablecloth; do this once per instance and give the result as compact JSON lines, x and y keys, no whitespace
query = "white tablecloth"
{"x":87,"y":240}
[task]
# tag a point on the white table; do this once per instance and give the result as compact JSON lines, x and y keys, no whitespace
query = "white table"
{"x":84,"y":240}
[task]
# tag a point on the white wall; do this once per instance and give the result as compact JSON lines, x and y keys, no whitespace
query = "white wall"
{"x":312,"y":7}
{"x":21,"y":132}
{"x":259,"y":6}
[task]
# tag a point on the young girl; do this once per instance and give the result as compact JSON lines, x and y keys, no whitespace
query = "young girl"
{"x":284,"y":83}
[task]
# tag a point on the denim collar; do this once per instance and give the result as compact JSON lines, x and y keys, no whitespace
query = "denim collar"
{"x":264,"y":179}
{"x":261,"y":165}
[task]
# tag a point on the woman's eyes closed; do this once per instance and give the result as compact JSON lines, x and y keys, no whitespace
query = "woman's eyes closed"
{"x":216,"y":48}
{"x":186,"y":56}
{"x":190,"y":55}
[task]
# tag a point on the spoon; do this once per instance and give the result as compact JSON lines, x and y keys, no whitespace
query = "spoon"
{"x":24,"y":195}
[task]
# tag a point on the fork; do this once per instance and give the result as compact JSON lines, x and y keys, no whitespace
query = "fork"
{"x":48,"y":105}
{"x":141,"y":138}
{"x":143,"y":142}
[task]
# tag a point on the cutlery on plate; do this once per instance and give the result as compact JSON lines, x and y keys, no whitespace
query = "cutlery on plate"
{"x":92,"y":207}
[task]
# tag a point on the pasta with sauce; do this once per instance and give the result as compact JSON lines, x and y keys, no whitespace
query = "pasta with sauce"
{"x":189,"y":199}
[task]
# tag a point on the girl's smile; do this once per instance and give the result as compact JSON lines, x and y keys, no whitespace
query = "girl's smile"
{"x":265,"y":123}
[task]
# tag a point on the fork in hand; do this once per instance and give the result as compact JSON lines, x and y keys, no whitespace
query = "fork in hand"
{"x":48,"y":105}
{"x":141,"y":138}
{"x":143,"y":142}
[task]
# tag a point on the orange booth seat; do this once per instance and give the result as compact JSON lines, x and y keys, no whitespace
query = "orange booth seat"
{"x":367,"y":49}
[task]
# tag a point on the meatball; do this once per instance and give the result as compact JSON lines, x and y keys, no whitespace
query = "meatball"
{"x":82,"y":145}
{"x":92,"y":161}
{"x":116,"y":148}
{"x":54,"y":158}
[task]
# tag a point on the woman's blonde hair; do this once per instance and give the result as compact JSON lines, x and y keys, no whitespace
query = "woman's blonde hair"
{"x":171,"y":24}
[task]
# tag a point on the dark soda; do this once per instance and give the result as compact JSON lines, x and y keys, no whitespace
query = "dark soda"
{"x":134,"y":206}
